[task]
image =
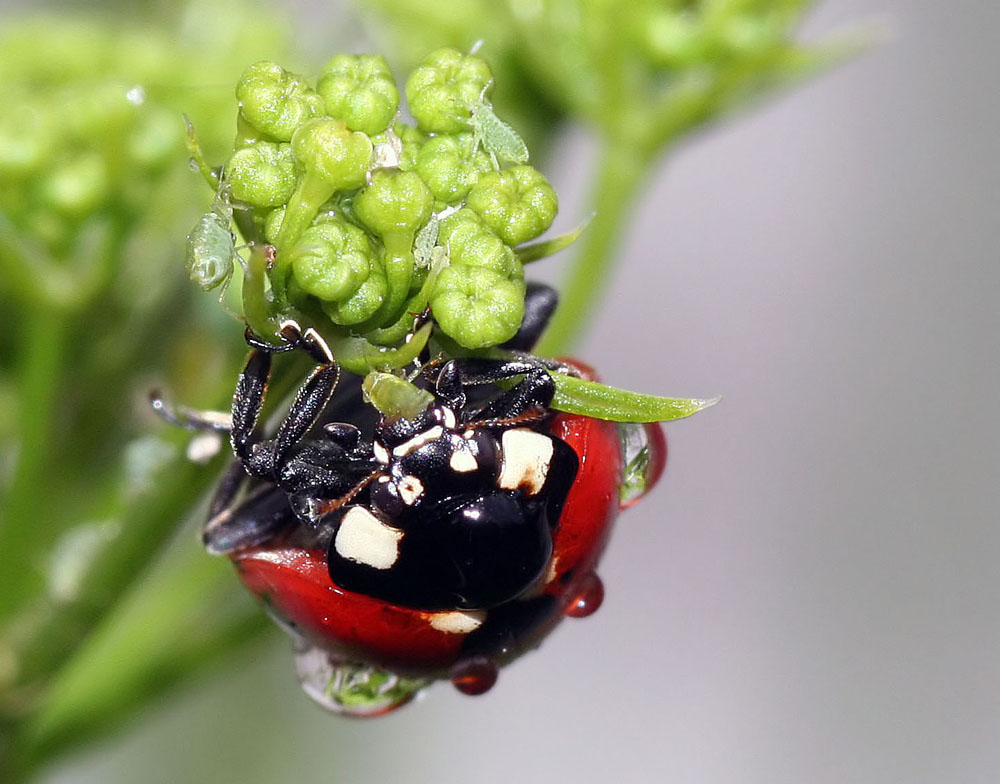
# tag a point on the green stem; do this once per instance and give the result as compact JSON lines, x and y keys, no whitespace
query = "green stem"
{"x":43,"y":346}
{"x":623,"y":167}
{"x":257,"y":308}
{"x":398,"y":273}
{"x":302,"y":208}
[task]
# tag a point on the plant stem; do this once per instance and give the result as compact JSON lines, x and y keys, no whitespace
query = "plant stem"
{"x":256,"y":308}
{"x":622,"y":169}
{"x":43,"y":346}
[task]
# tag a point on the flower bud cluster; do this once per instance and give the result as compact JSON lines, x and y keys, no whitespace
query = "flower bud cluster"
{"x":373,"y":219}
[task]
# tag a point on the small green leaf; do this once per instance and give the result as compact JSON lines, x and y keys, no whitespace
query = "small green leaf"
{"x":546,"y":248}
{"x":395,"y":396}
{"x":359,"y":356}
{"x":590,"y":398}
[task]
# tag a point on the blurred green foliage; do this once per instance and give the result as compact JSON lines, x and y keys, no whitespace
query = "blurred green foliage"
{"x":95,"y":199}
{"x":641,"y":74}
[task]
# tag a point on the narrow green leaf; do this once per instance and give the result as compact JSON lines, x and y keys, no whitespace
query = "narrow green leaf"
{"x":546,"y":248}
{"x":590,"y":398}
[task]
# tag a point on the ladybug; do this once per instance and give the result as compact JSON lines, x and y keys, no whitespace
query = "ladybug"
{"x":401,"y":550}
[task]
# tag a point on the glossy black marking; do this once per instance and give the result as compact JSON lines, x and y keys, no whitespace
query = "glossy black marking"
{"x":510,"y":629}
{"x":464,"y":553}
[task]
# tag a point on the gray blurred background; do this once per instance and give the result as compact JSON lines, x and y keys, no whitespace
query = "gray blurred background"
{"x":811,"y":593}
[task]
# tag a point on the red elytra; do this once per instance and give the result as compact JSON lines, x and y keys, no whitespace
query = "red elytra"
{"x":295,"y":583}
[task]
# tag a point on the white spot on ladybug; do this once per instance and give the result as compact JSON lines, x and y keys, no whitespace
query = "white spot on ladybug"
{"x":462,"y":460}
{"x":381,"y":453}
{"x":365,"y":539}
{"x":457,"y":622}
{"x":448,"y":418}
{"x":432,"y":434}
{"x":526,"y":459}
{"x":410,"y":489}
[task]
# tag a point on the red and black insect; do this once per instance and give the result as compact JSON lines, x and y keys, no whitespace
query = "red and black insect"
{"x":439,"y":546}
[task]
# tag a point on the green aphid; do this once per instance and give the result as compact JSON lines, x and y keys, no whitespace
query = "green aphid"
{"x":211,"y":247}
{"x":498,"y":138}
{"x":425,"y":241}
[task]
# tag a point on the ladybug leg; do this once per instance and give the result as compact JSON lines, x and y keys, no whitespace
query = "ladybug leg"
{"x":309,"y":403}
{"x":533,"y":392}
{"x":309,"y":341}
{"x":247,"y":402}
{"x":230,"y":484}
{"x":539,"y":304}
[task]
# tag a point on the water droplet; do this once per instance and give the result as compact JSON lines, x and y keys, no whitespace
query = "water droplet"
{"x":352,"y":689}
{"x":306,"y":507}
{"x":474,"y":676}
{"x":588,"y":599}
{"x":136,"y":95}
{"x":644,"y":452}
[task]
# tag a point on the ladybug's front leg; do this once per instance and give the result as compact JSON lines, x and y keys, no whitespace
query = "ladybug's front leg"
{"x":266,"y":461}
{"x":248,"y":399}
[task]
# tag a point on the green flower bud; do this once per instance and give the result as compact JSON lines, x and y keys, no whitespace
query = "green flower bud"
{"x":333,"y":154}
{"x":332,"y":259}
{"x":412,"y":140}
{"x":450,"y":167}
{"x":517,"y":203}
{"x":263,"y":174}
{"x":443,"y":90}
{"x":360,"y":90}
{"x":332,"y":159}
{"x":477,"y":307}
{"x":363,"y":304}
{"x":470,"y":243}
{"x":395,"y":206}
{"x":396,"y":201}
{"x":275,"y":101}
